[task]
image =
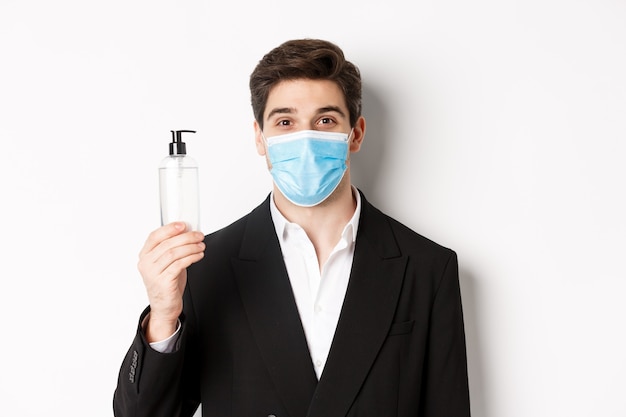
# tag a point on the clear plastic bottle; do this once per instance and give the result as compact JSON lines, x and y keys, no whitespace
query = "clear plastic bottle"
{"x":178,"y":185}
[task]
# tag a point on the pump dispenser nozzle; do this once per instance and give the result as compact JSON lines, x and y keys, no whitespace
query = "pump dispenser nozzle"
{"x":178,"y":147}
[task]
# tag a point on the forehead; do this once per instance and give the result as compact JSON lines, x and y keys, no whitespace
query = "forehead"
{"x":305,"y":96}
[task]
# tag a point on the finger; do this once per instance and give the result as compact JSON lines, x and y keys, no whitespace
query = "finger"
{"x":162,"y":233}
{"x":167,"y":245}
{"x":175,"y":268}
{"x":174,"y":258}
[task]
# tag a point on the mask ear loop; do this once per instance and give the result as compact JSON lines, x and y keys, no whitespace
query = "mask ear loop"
{"x":350,"y":135}
{"x":267,"y":144}
{"x":348,"y":142}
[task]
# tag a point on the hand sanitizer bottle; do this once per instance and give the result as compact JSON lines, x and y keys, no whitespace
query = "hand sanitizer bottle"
{"x":178,"y":185}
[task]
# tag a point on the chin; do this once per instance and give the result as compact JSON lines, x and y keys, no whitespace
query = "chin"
{"x":337,"y":193}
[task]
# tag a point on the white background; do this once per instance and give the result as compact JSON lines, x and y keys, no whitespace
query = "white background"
{"x":496,"y":128}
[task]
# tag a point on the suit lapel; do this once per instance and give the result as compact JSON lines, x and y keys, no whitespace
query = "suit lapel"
{"x":367,"y":313}
{"x":273,"y":315}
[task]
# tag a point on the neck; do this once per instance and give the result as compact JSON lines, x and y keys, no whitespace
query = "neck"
{"x":325,"y":222}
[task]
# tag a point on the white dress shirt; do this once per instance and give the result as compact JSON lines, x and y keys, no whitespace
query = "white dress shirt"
{"x":318,"y":293}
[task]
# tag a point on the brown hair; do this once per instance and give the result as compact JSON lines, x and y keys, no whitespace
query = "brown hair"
{"x":309,"y":59}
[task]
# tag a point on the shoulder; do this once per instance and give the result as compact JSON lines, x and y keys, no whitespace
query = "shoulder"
{"x":256,"y":221}
{"x":243,"y":238}
{"x":380,"y":226}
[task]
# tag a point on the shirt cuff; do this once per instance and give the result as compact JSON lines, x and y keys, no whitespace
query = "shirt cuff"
{"x":168,"y":345}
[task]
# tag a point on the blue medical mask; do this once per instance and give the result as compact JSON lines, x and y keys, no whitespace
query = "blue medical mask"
{"x":308,"y":165}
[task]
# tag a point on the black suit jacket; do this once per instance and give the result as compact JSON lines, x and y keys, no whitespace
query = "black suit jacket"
{"x":398,"y":350}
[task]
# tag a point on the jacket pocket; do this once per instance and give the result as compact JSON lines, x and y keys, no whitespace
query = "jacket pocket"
{"x":401,"y":328}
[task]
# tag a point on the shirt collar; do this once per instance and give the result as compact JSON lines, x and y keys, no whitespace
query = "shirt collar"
{"x":349,"y":231}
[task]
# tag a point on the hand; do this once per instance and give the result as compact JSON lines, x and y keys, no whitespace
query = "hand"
{"x":163,"y":263}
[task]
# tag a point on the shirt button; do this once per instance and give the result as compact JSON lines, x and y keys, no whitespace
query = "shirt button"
{"x":318,"y":363}
{"x":318,"y":308}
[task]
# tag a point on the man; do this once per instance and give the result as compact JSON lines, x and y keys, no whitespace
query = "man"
{"x":315,"y":303}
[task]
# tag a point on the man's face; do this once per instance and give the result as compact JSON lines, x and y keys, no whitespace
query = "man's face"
{"x":306,"y":104}
{"x":303,"y":105}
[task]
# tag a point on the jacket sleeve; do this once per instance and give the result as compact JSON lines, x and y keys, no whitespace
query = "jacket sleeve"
{"x":155,"y":384}
{"x":446,"y":381}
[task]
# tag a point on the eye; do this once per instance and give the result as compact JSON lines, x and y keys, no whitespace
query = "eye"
{"x":326,"y":121}
{"x":283,"y":122}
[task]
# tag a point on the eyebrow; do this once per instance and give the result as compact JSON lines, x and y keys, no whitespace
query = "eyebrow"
{"x":281,"y":110}
{"x":290,"y":110}
{"x":331,"y":109}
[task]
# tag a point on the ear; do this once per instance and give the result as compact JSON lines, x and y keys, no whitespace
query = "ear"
{"x":358,"y":133}
{"x":258,"y":139}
